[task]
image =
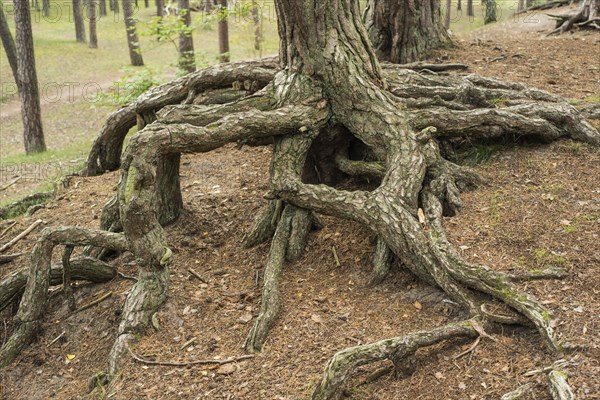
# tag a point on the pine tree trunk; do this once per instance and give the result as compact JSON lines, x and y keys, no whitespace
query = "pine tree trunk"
{"x":92,"y":16}
{"x":208,"y":5}
{"x":46,"y":7}
{"x":490,"y":11}
{"x":147,"y":3}
{"x":160,"y":8}
{"x":30,"y":96}
{"x":135,"y":53}
{"x":459,"y":5}
{"x":78,"y":18}
{"x":9,"y":46}
{"x":102,"y":8}
{"x":470,"y":11}
{"x":257,"y":28}
{"x":187,"y":60}
{"x":448,"y":14}
{"x":404,"y":31}
{"x":223,"y":32}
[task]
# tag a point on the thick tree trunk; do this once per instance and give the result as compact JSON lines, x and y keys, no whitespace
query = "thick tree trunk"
{"x":187,"y":60}
{"x":78,"y":18}
{"x":223,"y":32}
{"x":9,"y":45}
{"x":470,"y":11}
{"x":135,"y":52}
{"x":30,"y":96}
{"x":92,"y":16}
{"x":490,"y":11}
{"x":404,"y":31}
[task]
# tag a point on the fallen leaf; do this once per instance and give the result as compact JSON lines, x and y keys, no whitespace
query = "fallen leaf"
{"x":462,"y":386}
{"x":439,"y":376}
{"x":316,"y":318}
{"x":245,"y":318}
{"x":226,"y":369}
{"x":418,"y":305}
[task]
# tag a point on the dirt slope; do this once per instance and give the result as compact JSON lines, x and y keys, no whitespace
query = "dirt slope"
{"x":541,"y":207}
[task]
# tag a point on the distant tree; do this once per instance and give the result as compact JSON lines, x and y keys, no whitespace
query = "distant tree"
{"x":146,"y":3}
{"x":114,"y":6}
{"x":78,"y":18}
{"x":258,"y":36}
{"x":102,"y":8}
{"x":448,"y":14}
{"x":92,"y":13}
{"x":223,"y":32}
{"x":187,"y":61}
{"x":459,"y":5}
{"x":403,"y":31}
{"x":27,"y":77}
{"x":208,"y":5}
{"x":135,"y":53}
{"x":490,"y":11}
{"x":9,"y":44}
{"x":470,"y":11}
{"x":46,"y":7}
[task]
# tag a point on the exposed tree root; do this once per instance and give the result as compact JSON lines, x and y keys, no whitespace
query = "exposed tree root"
{"x":84,"y":268}
{"x":399,"y":350}
{"x":382,"y":262}
{"x":29,"y":316}
{"x":588,"y":16}
{"x":557,"y":379}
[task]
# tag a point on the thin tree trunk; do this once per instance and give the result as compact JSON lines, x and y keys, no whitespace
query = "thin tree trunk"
{"x":30,"y":96}
{"x":470,"y":11}
{"x":78,"y":18}
{"x":135,"y":53}
{"x":258,"y":38}
{"x":404,"y":31}
{"x":459,"y":5}
{"x":146,"y":3}
{"x":223,"y":32}
{"x":9,"y":46}
{"x":208,"y":5}
{"x":187,"y":60}
{"x":46,"y":7}
{"x":102,"y":8}
{"x":160,"y":8}
{"x":92,"y":13}
{"x":447,"y":15}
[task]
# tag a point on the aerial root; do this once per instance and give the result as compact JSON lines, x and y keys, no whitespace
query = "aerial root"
{"x":270,"y":303}
{"x":400,"y":350}
{"x":382,"y":262}
{"x":83,"y":268}
{"x":28,"y":319}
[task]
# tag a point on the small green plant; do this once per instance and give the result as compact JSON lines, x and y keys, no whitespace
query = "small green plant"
{"x":544,"y":258}
{"x":498,"y":101}
{"x":129,"y":87}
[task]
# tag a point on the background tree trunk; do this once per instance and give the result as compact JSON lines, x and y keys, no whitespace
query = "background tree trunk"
{"x":78,"y":18}
{"x":459,"y":5}
{"x":208,"y":5}
{"x":102,"y":7}
{"x":258,"y":38}
{"x":92,"y":13}
{"x":187,"y":61}
{"x":448,"y":14}
{"x":146,"y":3}
{"x":9,"y":46}
{"x":404,"y":31}
{"x":46,"y":7}
{"x":223,"y":32}
{"x":160,"y":8}
{"x":490,"y":11}
{"x":470,"y":11}
{"x":135,"y":53}
{"x":30,"y":96}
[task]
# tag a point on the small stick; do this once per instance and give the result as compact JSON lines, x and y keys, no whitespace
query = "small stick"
{"x":4,"y":232}
{"x":9,"y":184}
{"x":66,"y":262}
{"x":470,"y":349}
{"x":131,"y":278}
{"x":93,"y":303}
{"x":185,"y":364}
{"x":197,"y":275}
{"x":188,"y":343}
{"x":56,"y":339}
{"x":337,"y":260}
{"x":20,"y":236}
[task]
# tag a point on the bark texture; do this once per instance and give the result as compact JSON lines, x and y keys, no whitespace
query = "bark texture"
{"x":9,"y":44}
{"x":223,"y":26}
{"x":405,"y":31}
{"x":30,"y":96}
{"x":135,"y":52}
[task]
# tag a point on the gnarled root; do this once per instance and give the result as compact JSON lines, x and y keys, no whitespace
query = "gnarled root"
{"x":398,"y":349}
{"x":29,"y":316}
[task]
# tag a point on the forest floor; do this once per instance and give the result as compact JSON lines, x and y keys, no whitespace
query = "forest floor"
{"x":540,"y":207}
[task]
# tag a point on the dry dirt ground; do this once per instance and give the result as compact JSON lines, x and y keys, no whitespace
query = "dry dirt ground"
{"x":541,"y":207}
